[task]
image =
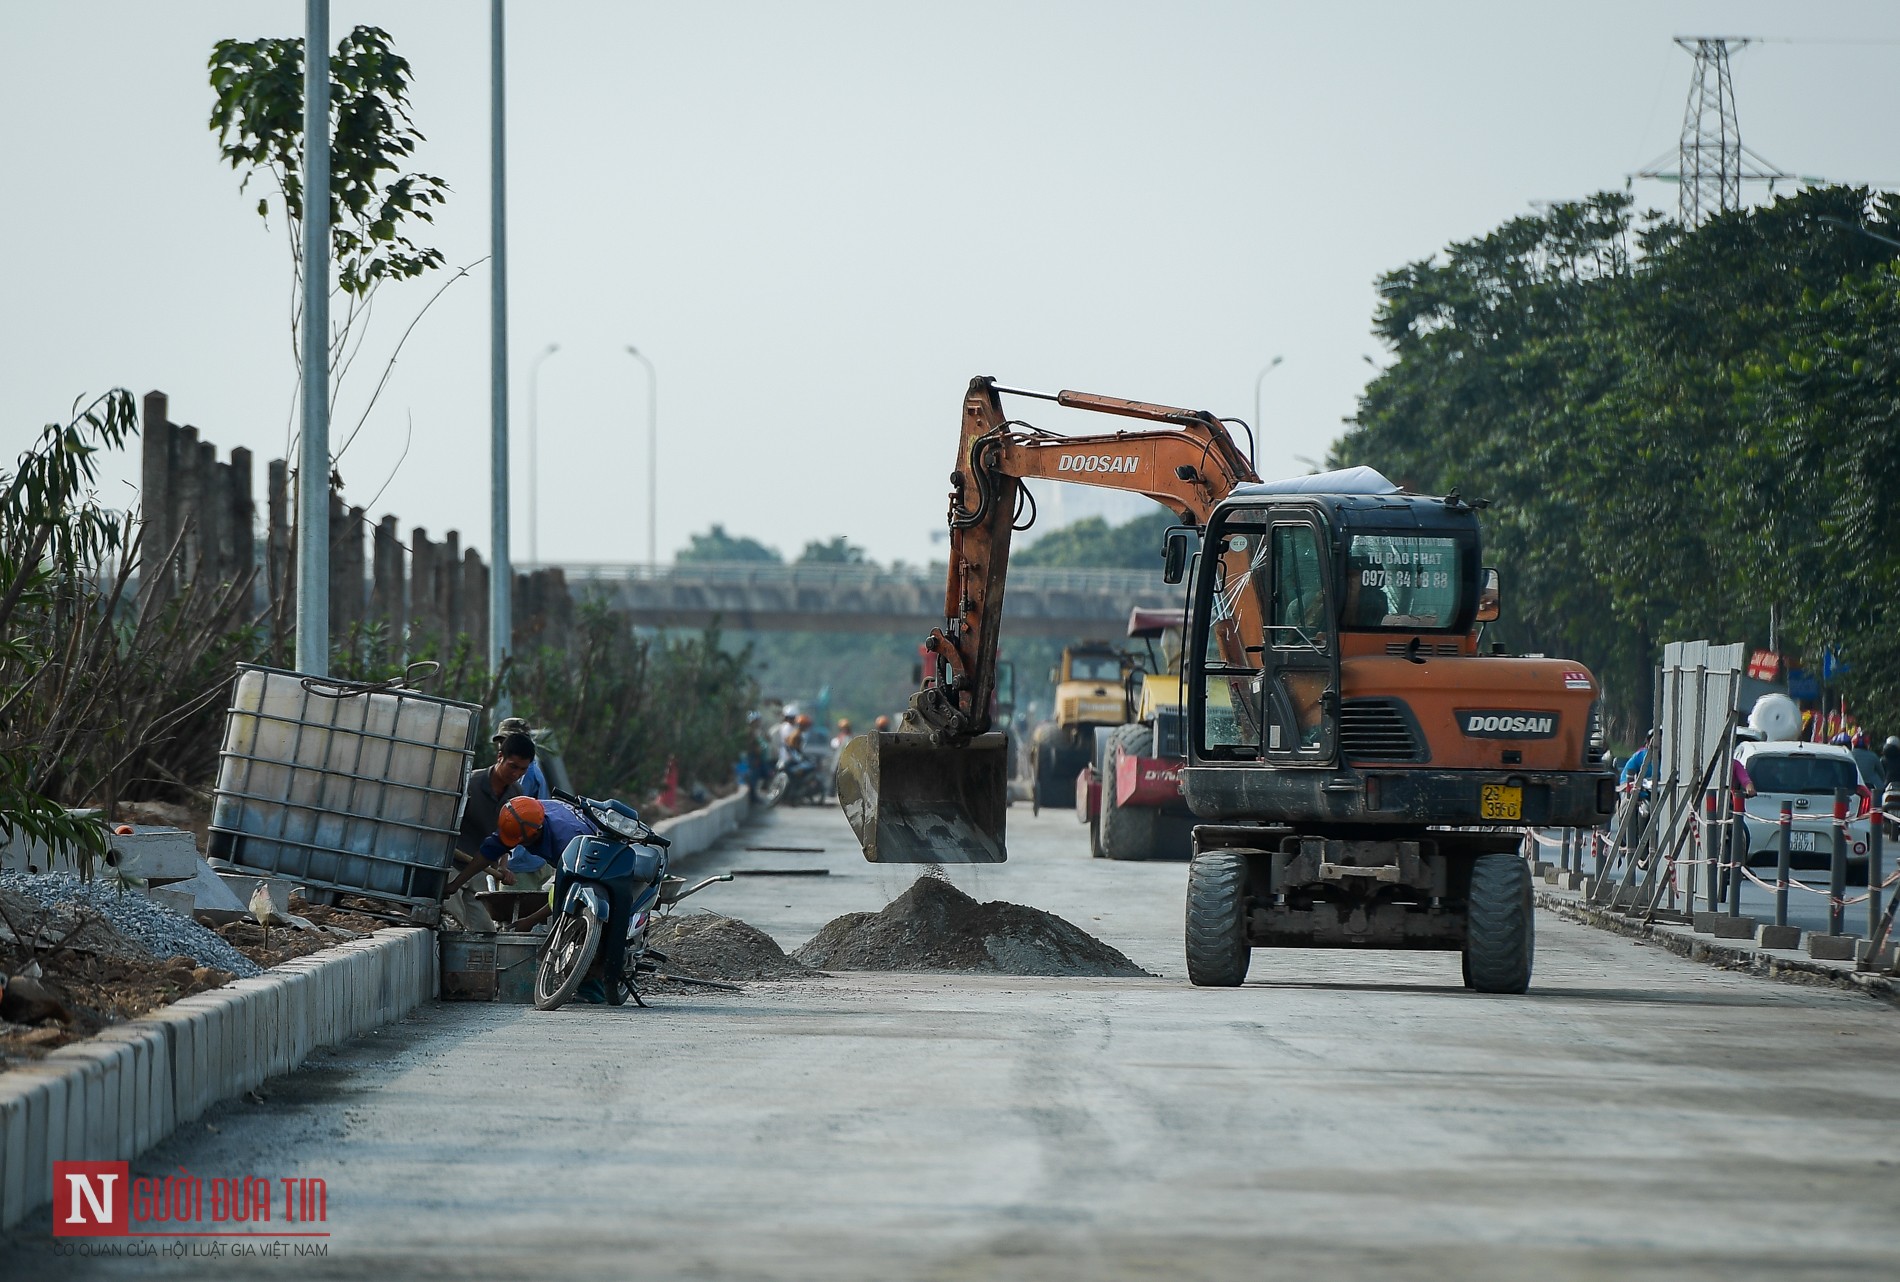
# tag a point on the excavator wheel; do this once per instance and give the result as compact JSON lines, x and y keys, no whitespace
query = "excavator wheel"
{"x":1128,"y":832}
{"x":1217,"y":949}
{"x":1500,"y":925}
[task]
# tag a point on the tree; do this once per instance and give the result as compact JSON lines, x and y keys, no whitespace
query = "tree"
{"x":1679,"y":427}
{"x":1094,"y":543}
{"x":716,"y":545}
{"x":258,"y":118}
{"x":836,"y":552}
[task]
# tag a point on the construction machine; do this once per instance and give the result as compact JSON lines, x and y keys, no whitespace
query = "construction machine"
{"x":1360,"y":773}
{"x":1130,"y":794}
{"x":1091,"y":684}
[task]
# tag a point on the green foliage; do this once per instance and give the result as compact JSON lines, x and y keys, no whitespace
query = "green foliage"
{"x":717,"y":545}
{"x":618,"y":704}
{"x":258,"y":117}
{"x":1677,"y":428}
{"x":1092,"y":542}
{"x":836,"y":552}
{"x":101,"y":696}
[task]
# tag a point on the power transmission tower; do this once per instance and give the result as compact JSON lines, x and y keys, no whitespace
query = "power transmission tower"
{"x":1711,"y":162}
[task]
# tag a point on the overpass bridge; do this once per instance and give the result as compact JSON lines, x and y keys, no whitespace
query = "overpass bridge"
{"x":1040,"y":601}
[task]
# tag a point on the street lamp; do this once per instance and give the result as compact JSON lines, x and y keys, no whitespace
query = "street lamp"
{"x":534,"y":452}
{"x":653,"y":455}
{"x":1258,"y":379}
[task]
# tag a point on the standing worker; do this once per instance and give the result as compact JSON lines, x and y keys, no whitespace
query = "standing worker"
{"x":485,"y":792}
{"x":535,"y":782}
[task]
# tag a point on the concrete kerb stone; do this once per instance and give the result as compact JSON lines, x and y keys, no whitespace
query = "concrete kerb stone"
{"x":1782,"y":964}
{"x":116,"y":1095}
{"x":692,"y":833}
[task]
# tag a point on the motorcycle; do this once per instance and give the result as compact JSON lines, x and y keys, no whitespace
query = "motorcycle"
{"x":625,"y":858}
{"x":798,"y":783}
{"x":1890,"y":810}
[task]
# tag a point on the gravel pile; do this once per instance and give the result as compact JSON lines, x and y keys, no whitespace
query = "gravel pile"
{"x":159,"y":931}
{"x":708,"y":946}
{"x":935,"y":926}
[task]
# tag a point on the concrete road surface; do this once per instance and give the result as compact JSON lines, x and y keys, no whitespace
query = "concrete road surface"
{"x":1342,"y":1116}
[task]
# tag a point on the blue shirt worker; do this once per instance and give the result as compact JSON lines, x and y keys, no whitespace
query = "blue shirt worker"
{"x":530,"y":834}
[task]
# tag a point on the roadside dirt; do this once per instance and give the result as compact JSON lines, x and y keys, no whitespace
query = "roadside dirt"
{"x":935,"y":926}
{"x":100,"y":978}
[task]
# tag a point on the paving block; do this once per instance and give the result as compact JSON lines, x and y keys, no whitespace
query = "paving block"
{"x":1727,"y":927}
{"x":1831,"y":947}
{"x":1788,"y":937}
{"x":182,"y":902}
{"x":1540,"y":867}
{"x":1864,"y":954}
{"x":25,"y":1103}
{"x":157,"y":855}
{"x":45,"y":1128}
{"x":211,"y":896}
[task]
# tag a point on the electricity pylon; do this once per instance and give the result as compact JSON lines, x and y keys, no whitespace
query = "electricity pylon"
{"x":1711,"y":162}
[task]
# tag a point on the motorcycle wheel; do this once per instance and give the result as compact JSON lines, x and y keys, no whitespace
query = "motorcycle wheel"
{"x":772,"y":789}
{"x":564,"y":960}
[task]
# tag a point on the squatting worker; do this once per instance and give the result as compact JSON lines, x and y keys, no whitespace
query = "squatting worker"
{"x":535,"y":782}
{"x":531,"y":834}
{"x":489,"y":789}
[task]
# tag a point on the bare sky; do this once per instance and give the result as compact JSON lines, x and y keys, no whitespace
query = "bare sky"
{"x":820,"y":219}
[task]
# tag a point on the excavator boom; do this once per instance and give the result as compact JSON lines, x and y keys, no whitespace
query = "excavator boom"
{"x":933,"y":791}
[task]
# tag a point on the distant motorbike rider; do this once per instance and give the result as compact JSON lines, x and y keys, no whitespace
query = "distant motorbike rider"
{"x":1890,"y":761}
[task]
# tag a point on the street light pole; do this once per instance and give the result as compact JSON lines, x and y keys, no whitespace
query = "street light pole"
{"x":653,"y":455}
{"x":534,"y":452}
{"x":501,"y":579}
{"x":313,"y":454}
{"x":1258,"y":379}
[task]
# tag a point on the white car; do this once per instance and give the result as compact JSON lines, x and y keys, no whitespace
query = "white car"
{"x":1805,"y":776}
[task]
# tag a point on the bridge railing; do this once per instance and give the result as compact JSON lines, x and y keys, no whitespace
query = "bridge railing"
{"x":766,"y":574}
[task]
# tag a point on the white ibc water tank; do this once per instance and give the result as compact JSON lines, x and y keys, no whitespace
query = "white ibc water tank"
{"x":1777,"y":717}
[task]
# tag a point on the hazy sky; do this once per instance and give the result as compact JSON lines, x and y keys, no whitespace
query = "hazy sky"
{"x":821,"y":219}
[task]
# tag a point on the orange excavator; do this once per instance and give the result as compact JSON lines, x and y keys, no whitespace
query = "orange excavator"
{"x":1359,"y":771}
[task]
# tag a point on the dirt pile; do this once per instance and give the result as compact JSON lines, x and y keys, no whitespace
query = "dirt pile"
{"x":708,"y":946}
{"x":935,"y":926}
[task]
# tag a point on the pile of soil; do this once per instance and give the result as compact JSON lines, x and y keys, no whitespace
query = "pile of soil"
{"x":709,"y":946}
{"x":935,"y":926}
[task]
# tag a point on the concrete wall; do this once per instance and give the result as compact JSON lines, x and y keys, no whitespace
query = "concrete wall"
{"x":113,"y":1096}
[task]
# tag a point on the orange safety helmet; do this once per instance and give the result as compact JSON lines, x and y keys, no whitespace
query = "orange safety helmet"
{"x":520,"y":821}
{"x":844,"y":725}
{"x":883,"y":723}
{"x":804,"y":721}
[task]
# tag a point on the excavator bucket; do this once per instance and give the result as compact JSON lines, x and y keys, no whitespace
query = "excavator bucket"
{"x":913,"y":802}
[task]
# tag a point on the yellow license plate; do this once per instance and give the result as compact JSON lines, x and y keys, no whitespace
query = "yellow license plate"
{"x":1496,"y":801}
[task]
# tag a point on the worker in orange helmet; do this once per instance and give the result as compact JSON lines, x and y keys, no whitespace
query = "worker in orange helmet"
{"x":883,"y":723}
{"x":529,"y":834}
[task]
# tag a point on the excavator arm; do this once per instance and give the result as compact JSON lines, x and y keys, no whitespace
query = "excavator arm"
{"x":933,"y":791}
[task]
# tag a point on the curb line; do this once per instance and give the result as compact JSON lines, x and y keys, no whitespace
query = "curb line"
{"x":695,"y":832}
{"x":1789,"y":967}
{"x":116,"y":1094}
